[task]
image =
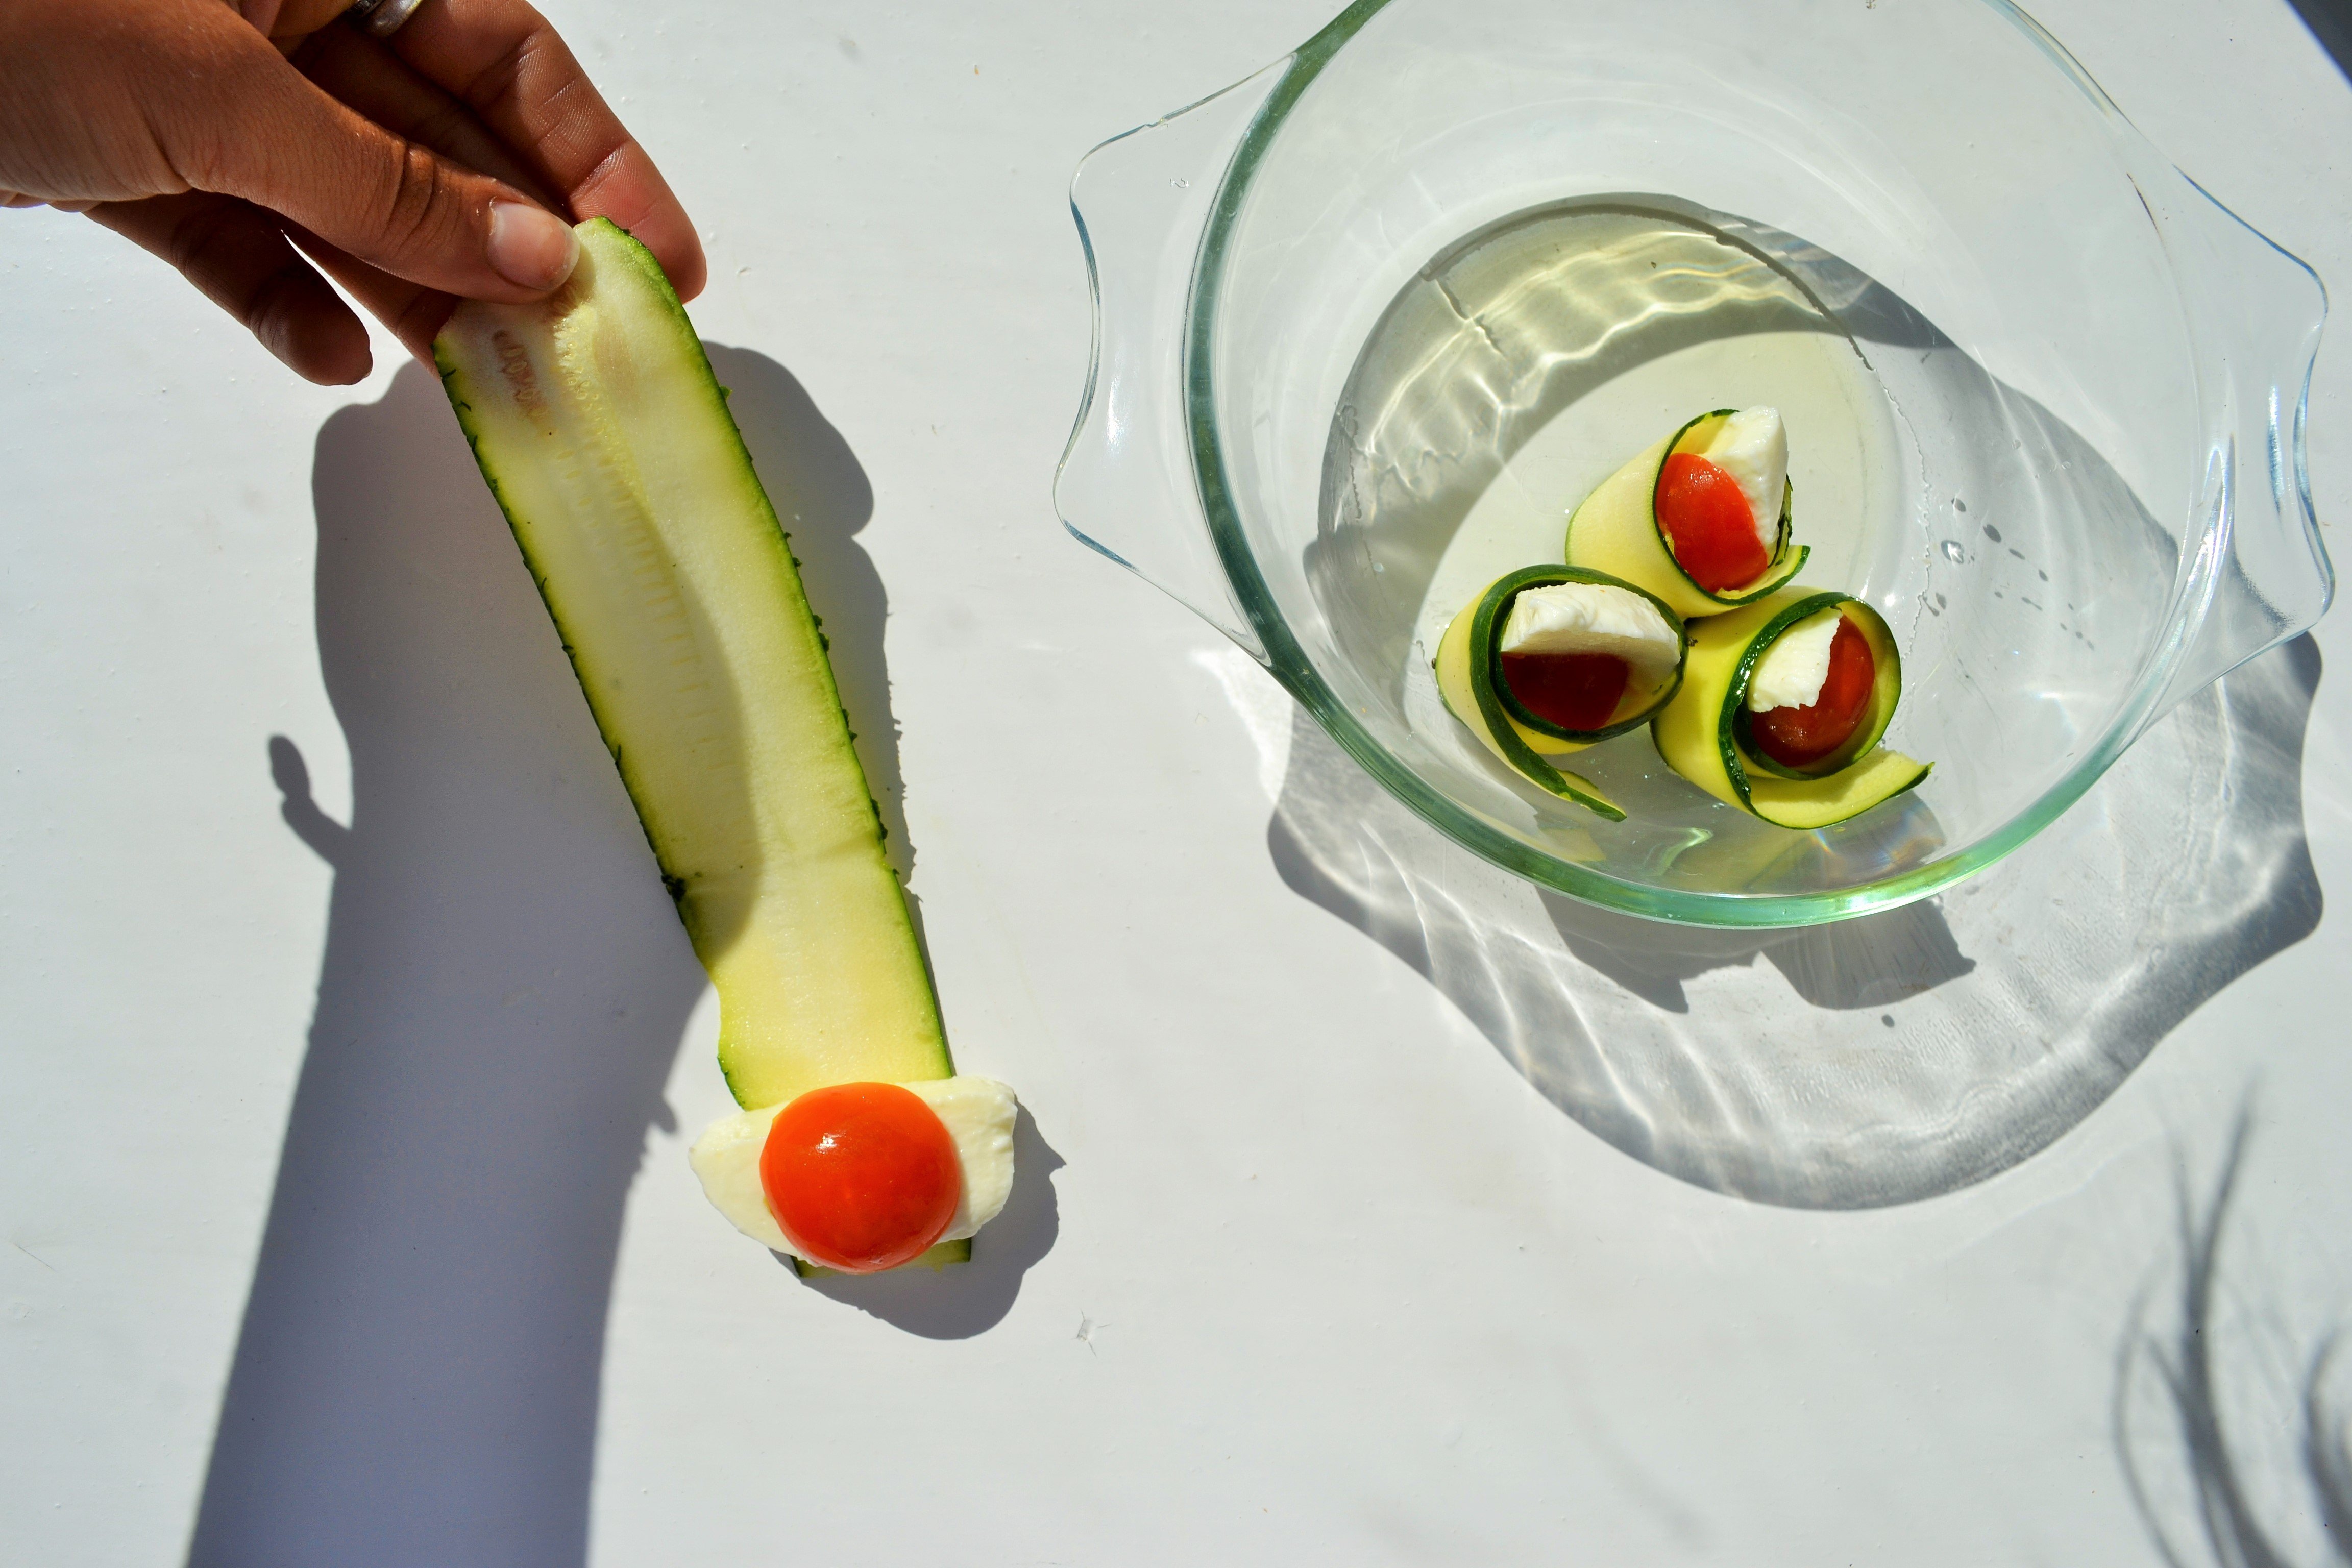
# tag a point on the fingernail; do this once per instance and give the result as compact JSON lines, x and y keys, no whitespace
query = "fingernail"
{"x":530,"y":246}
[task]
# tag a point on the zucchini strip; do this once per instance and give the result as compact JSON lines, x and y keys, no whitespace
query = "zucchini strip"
{"x":1616,"y":530}
{"x":1470,"y":680}
{"x":607,"y":442}
{"x":1702,"y":732}
{"x":597,"y":420}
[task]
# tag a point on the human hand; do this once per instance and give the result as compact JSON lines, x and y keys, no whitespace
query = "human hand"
{"x":446,"y":162}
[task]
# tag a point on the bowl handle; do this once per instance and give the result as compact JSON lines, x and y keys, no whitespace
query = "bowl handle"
{"x":2254,"y":558}
{"x":1126,"y":486}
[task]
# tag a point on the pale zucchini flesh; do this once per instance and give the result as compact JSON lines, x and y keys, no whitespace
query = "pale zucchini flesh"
{"x":597,"y":420}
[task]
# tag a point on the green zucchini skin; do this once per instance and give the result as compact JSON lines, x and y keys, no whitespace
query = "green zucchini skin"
{"x":607,"y":442}
{"x":1469,"y":681}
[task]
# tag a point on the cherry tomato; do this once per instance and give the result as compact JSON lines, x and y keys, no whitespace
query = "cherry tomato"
{"x":1708,"y":524}
{"x":1574,"y":690}
{"x":861,"y":1176}
{"x":1794,"y":737}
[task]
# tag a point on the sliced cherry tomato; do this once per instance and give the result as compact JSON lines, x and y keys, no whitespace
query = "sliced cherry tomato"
{"x":1796,"y":737}
{"x":1573,"y":690}
{"x":861,"y":1176}
{"x":1708,"y":524}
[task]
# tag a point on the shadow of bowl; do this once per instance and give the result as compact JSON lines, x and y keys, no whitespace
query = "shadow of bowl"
{"x":1880,"y":1060}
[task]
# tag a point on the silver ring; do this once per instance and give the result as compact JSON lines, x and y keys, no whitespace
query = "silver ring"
{"x":381,"y":18}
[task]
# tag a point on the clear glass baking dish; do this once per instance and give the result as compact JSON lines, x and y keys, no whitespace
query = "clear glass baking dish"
{"x":1371,"y":322}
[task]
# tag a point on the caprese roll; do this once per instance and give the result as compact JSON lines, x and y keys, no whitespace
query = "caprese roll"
{"x":1548,"y":660}
{"x":854,"y":1178}
{"x":1702,"y":520}
{"x":1782,"y":706}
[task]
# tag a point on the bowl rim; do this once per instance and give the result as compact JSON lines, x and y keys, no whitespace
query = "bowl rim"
{"x":1288,"y":661}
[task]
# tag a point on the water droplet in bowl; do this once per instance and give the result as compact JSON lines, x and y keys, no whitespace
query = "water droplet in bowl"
{"x":1955,"y":553}
{"x":1182,"y":183}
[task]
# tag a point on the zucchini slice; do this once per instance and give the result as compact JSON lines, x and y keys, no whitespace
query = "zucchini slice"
{"x":597,"y":423}
{"x":1702,"y":733}
{"x":1616,"y":530}
{"x":1470,"y":680}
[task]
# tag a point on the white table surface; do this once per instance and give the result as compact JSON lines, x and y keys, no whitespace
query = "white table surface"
{"x":1319,"y":1276}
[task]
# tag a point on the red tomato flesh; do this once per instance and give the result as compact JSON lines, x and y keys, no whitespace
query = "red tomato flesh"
{"x":1573,"y":690}
{"x":1708,"y":524}
{"x":861,"y":1176}
{"x":1796,"y":737}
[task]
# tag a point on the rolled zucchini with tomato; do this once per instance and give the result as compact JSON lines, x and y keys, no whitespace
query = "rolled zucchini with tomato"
{"x":1782,"y":707}
{"x":1548,"y":660}
{"x":1702,"y":520}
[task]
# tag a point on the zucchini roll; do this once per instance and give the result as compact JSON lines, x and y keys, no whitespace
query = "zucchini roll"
{"x":1548,"y":660}
{"x":1701,"y":520}
{"x":1781,"y":707}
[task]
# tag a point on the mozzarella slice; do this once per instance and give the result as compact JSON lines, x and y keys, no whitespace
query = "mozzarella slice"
{"x":1591,"y":617}
{"x":1753,"y":449}
{"x":1795,"y":667}
{"x":979,"y":1113}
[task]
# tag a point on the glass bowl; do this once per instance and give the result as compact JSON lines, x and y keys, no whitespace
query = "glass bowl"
{"x":1371,"y":322}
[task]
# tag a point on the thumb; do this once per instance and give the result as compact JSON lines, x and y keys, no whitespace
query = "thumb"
{"x":259,"y":129}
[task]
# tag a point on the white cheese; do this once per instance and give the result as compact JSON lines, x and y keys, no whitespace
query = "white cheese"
{"x":1795,"y":667}
{"x":1591,"y":617}
{"x":979,"y":1113}
{"x":1752,"y":447}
